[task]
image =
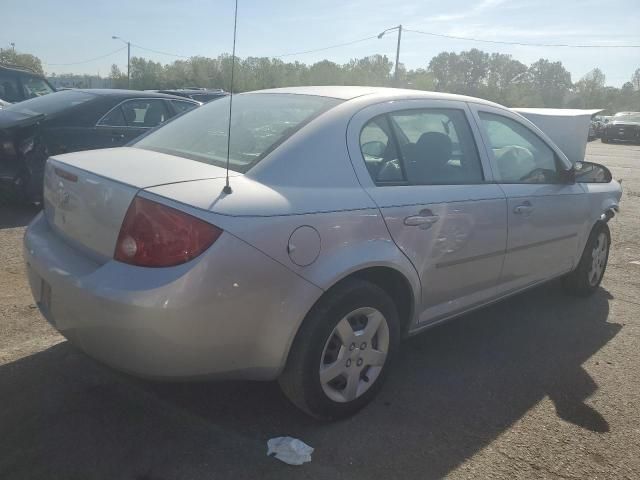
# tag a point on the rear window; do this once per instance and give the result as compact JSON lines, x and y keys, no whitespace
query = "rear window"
{"x":53,"y":103}
{"x":259,"y":123}
{"x":630,"y":117}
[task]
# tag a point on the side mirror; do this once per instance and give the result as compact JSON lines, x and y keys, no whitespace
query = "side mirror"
{"x":588,"y":172}
{"x":568,"y":176}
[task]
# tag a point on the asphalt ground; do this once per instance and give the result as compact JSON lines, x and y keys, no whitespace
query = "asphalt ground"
{"x":540,"y":386}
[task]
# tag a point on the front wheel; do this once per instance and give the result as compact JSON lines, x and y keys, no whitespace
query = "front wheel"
{"x":586,"y":278}
{"x":341,"y":354}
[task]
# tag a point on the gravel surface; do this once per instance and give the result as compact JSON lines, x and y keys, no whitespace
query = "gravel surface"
{"x":540,"y":386}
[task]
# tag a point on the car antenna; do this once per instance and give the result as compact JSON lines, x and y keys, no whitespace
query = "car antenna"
{"x":227,"y":187}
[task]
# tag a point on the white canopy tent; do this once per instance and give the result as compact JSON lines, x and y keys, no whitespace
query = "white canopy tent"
{"x":568,"y":128}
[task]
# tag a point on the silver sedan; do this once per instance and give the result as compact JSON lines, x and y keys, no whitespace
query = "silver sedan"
{"x":355,"y":217}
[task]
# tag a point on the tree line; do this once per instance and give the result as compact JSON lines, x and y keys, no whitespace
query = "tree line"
{"x":494,"y":76}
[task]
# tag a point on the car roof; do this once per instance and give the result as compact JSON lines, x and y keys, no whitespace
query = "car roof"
{"x":350,"y":92}
{"x":115,"y":92}
{"x":20,"y":69}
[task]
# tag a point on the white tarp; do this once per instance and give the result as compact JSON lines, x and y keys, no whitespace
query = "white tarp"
{"x":568,"y":128}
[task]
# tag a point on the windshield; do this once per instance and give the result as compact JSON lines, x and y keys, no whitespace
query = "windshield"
{"x":259,"y":123}
{"x":51,"y":104}
{"x":631,"y":116}
{"x":35,"y":87}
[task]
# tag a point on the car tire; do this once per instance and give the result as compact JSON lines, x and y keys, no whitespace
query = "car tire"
{"x":604,"y":140}
{"x":334,"y":339}
{"x":586,"y":278}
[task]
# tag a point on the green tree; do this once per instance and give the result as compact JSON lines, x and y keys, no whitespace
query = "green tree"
{"x":146,"y":74}
{"x":590,"y":90}
{"x":117,"y":78}
{"x":550,"y":81}
{"x":465,"y":73}
{"x":635,"y":79}
{"x":25,"y":60}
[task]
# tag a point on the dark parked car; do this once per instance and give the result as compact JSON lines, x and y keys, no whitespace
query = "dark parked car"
{"x":18,"y":84}
{"x":623,"y":126}
{"x":203,"y":95}
{"x":70,"y":121}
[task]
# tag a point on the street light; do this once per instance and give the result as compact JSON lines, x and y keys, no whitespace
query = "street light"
{"x":114,"y":37}
{"x":399,"y":28}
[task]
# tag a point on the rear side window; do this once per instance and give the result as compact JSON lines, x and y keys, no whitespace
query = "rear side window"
{"x":144,"y":113}
{"x":181,"y":106}
{"x":421,"y":147}
{"x":259,"y":123}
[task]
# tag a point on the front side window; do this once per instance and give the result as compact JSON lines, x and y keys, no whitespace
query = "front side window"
{"x":379,"y":151}
{"x":436,"y":147}
{"x":115,"y":118}
{"x":520,"y":155}
{"x":259,"y":123}
{"x":9,"y":87}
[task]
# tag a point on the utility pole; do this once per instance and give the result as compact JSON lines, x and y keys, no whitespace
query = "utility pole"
{"x":13,"y":47}
{"x":129,"y":65}
{"x":398,"y":53}
{"x":399,"y":28}
{"x":114,"y":37}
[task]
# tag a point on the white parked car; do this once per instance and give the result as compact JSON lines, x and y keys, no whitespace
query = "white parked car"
{"x":357,"y":216}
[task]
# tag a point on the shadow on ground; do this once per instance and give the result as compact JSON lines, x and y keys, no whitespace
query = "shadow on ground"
{"x":17,"y":216}
{"x":452,"y":391}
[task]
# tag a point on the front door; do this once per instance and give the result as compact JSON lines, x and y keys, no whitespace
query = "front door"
{"x":419,"y":162}
{"x":546,"y":212}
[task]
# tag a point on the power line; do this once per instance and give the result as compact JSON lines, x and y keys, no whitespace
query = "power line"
{"x":84,"y":61}
{"x":325,"y":48}
{"x":160,"y":51}
{"x":524,"y":44}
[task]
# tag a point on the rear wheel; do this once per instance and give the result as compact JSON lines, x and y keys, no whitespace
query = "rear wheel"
{"x":586,"y":278}
{"x":341,"y":354}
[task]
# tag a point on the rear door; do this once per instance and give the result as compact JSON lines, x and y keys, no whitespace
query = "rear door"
{"x":546,"y":214}
{"x":419,"y":162}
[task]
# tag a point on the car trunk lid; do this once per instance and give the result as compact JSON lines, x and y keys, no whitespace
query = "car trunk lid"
{"x":87,"y":194}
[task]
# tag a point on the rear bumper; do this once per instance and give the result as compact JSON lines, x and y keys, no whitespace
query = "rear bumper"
{"x":624,"y":134}
{"x":230,"y":313}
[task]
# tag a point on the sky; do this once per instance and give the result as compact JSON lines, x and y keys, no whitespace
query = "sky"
{"x":73,"y":31}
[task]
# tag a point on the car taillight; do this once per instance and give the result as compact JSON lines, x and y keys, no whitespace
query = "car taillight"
{"x":154,"y":235}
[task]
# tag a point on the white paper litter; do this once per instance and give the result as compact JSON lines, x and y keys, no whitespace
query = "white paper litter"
{"x":289,"y":450}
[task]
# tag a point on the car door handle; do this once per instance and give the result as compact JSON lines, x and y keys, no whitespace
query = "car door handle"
{"x":424,"y":220}
{"x":525,"y":208}
{"x":117,"y":136}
